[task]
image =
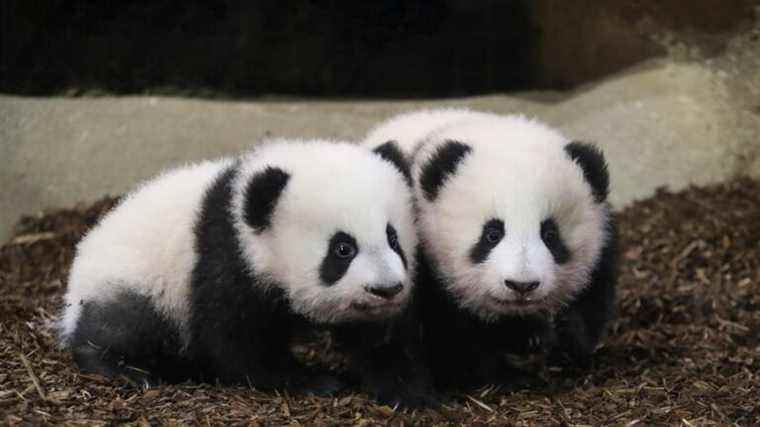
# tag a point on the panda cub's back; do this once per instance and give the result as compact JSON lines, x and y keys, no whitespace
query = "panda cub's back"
{"x":145,"y":244}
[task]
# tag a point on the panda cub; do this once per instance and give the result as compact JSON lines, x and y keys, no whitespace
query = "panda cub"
{"x":518,"y":242}
{"x":204,"y":272}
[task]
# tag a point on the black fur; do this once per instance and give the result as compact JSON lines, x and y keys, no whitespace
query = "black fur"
{"x":390,"y":152}
{"x":464,"y":351}
{"x":334,"y":267}
{"x":591,"y":160}
{"x":390,"y":232}
{"x":389,"y":360}
{"x":483,"y":247}
{"x":261,"y":195}
{"x":441,"y":165}
{"x":552,"y":238}
{"x":127,"y":336}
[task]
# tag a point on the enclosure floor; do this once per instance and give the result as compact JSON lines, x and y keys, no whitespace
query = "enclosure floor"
{"x":684,"y":350}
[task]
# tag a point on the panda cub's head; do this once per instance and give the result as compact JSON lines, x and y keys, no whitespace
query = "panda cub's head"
{"x":513,"y":216}
{"x":330,"y":223}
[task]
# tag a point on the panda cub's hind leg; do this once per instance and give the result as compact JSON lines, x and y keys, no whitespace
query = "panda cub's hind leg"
{"x":127,"y":336}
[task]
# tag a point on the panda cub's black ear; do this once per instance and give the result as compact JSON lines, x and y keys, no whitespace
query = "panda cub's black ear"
{"x":591,"y":159}
{"x":442,"y":164}
{"x":261,"y":195}
{"x":390,"y":152}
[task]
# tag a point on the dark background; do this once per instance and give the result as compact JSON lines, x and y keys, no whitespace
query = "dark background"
{"x":391,"y":48}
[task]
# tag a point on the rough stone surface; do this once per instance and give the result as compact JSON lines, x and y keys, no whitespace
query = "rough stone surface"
{"x":582,"y":40}
{"x":669,"y":122}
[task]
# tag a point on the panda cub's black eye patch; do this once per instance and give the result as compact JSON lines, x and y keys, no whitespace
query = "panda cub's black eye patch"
{"x":493,"y":232}
{"x":394,"y":244}
{"x":341,"y":250}
{"x":553,"y":240}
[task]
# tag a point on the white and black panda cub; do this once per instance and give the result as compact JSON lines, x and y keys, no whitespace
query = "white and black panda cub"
{"x":203,"y":272}
{"x":518,"y":242}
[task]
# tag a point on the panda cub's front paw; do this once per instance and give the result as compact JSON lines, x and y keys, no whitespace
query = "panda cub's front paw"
{"x":322,"y":386}
{"x":543,"y":341}
{"x":413,"y":397}
{"x":535,"y":344}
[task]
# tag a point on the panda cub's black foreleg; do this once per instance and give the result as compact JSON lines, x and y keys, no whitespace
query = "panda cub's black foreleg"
{"x":389,"y":361}
{"x":583,"y":323}
{"x":242,"y":336}
{"x":127,"y":336}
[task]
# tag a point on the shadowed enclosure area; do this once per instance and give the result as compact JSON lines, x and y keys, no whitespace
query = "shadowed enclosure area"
{"x":684,"y":348}
{"x":391,"y":48}
{"x":291,"y":47}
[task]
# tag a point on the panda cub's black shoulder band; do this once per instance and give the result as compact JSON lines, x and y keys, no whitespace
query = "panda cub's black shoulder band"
{"x":261,"y":195}
{"x":390,"y":152}
{"x":441,"y":165}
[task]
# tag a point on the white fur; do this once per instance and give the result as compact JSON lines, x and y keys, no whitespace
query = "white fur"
{"x":333,"y":187}
{"x":518,"y":172}
{"x":146,"y":244}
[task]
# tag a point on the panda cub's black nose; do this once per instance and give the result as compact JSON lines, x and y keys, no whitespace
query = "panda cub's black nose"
{"x":384,"y":291}
{"x":521,"y":287}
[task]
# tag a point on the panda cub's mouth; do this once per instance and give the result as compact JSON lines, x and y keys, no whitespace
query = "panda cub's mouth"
{"x":519,"y":302}
{"x":375,"y":307}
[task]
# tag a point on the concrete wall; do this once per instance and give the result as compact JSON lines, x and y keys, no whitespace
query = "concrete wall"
{"x":663,"y":123}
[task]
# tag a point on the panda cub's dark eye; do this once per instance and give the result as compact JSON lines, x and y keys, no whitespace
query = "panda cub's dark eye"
{"x":494,"y":233}
{"x":392,"y":237}
{"x":344,"y":250}
{"x":390,"y":232}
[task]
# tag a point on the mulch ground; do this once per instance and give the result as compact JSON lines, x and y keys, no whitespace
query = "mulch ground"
{"x":684,"y":350}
